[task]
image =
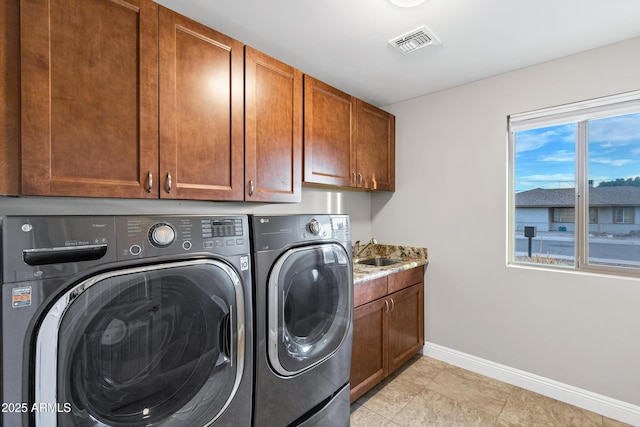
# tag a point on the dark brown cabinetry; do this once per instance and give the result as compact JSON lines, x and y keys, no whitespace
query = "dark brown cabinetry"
{"x":347,"y":142}
{"x":329,"y":143}
{"x":124,"y":98}
{"x":89,"y":97}
{"x":10,"y":96}
{"x":273,"y":129}
{"x":91,"y":74}
{"x":376,"y":148}
{"x":388,"y":327}
{"x":201,"y":111}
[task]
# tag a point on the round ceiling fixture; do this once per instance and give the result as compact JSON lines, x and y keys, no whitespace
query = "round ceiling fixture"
{"x":407,"y":3}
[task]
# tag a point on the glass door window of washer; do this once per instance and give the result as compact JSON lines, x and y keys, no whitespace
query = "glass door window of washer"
{"x":156,"y":345}
{"x":310,"y":304}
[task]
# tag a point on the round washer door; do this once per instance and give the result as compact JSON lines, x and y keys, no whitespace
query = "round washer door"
{"x":156,"y":346}
{"x":310,"y":306}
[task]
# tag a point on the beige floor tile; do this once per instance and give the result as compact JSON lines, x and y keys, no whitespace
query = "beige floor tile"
{"x":433,"y":409}
{"x":525,"y":408}
{"x":470,"y":389}
{"x":420,"y":371}
{"x":392,"y":396}
{"x":363,"y":417}
{"x":427,"y":392}
{"x":608,"y":422}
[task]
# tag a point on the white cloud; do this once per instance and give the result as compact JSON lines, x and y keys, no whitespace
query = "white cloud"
{"x":559,"y":156}
{"x":611,"y":162}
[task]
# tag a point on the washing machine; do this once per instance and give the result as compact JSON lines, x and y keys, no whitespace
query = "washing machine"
{"x":126,"y":321}
{"x":303,"y":290}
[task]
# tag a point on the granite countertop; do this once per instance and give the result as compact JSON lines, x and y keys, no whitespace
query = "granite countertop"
{"x":409,"y":257}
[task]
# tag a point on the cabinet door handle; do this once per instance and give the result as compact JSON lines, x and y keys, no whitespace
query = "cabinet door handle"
{"x":150,"y":180}
{"x":386,"y":306}
{"x":252,"y":187}
{"x":359,"y":178}
{"x":393,"y":304}
{"x":354,"y":178}
{"x":169,"y":183}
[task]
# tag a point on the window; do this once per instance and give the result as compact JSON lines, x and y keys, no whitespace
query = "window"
{"x":624,"y":216}
{"x":575,"y":175}
{"x":563,"y":215}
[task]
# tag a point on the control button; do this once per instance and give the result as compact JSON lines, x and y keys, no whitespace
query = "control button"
{"x":208,"y":244}
{"x":314,"y":227}
{"x":162,"y":235}
{"x":135,"y":250}
{"x":186,"y":245}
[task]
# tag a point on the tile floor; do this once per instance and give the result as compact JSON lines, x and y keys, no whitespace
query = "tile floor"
{"x":428,"y":392}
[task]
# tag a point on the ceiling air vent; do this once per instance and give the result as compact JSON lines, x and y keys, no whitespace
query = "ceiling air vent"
{"x":414,"y":40}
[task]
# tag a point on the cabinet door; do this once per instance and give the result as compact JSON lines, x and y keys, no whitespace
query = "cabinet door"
{"x":201,"y":111}
{"x":273,"y":129}
{"x":329,"y":120}
{"x":406,"y":325}
{"x":369,"y":355}
{"x":89,"y":97}
{"x":376,"y":147}
{"x":10,"y":95}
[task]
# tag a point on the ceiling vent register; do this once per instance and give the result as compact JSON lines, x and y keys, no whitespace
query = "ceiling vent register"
{"x":414,"y":40}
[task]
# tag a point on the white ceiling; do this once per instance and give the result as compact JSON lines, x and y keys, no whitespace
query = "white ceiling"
{"x":345,"y":42}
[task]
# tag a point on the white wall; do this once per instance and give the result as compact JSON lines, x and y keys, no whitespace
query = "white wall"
{"x":581,"y":330}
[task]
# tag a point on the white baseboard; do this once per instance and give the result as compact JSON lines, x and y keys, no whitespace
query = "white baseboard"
{"x":611,"y":408}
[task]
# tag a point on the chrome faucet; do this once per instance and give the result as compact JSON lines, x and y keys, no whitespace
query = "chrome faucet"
{"x":357,"y":250}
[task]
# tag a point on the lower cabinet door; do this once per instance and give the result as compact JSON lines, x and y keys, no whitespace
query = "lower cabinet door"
{"x":406,"y":325}
{"x":369,"y":355}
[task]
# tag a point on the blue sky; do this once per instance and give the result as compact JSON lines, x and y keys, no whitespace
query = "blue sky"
{"x":545,"y":157}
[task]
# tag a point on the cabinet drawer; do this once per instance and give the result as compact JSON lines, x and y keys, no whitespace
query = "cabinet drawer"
{"x":406,"y":278}
{"x":369,"y":291}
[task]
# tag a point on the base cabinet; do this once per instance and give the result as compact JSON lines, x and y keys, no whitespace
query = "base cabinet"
{"x":388,"y":327}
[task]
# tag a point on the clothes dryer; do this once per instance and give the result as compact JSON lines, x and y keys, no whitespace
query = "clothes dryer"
{"x":303,"y":320}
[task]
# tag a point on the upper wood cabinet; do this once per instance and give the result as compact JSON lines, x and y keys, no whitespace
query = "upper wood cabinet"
{"x":347,"y":142}
{"x":376,"y":148}
{"x":329,"y":144}
{"x":10,"y":96}
{"x":273,"y":129}
{"x":89,"y":97}
{"x":201,"y":111}
{"x":92,"y":73}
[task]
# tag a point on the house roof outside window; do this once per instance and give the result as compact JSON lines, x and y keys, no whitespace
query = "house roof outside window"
{"x":565,"y":197}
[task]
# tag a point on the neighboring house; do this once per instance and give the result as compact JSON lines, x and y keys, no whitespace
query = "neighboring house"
{"x":612,"y":210}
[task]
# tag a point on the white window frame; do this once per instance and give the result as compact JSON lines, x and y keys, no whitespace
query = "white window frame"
{"x":579,"y":113}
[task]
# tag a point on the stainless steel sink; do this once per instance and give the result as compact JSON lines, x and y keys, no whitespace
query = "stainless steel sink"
{"x":377,"y":262}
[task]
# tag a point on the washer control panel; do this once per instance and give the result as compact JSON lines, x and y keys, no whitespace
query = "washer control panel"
{"x":162,"y":235}
{"x":144,"y":236}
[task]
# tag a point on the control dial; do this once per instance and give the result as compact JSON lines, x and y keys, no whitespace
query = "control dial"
{"x":314,"y":227}
{"x":161,"y":235}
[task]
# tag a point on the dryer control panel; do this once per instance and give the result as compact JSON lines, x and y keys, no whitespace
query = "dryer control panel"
{"x":278,"y":231}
